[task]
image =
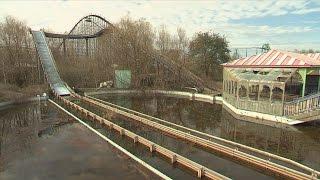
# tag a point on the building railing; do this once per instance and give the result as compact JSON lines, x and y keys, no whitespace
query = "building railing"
{"x":302,"y":105}
{"x":297,"y":106}
{"x":261,"y":106}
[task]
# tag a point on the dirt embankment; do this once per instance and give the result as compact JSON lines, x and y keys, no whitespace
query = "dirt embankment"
{"x":13,"y":93}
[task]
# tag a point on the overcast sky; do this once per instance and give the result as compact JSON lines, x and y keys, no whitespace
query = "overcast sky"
{"x":283,"y":24}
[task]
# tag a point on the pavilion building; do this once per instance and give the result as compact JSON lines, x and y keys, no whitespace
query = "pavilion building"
{"x":277,"y":83}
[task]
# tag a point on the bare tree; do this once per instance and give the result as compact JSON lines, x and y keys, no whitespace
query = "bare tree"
{"x":19,"y":62}
{"x":164,"y":40}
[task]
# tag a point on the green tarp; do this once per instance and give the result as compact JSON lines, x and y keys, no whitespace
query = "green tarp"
{"x":123,"y":79}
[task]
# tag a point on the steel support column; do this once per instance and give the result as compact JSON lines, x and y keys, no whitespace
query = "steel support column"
{"x":87,"y":48}
{"x":64,"y":48}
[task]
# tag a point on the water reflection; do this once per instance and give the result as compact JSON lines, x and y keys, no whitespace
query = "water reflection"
{"x":18,"y":127}
{"x":21,"y":125}
{"x":39,"y":142}
{"x":301,"y":143}
{"x":138,"y":150}
{"x":189,"y":150}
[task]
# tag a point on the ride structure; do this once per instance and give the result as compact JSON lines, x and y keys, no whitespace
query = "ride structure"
{"x":48,"y":65}
{"x":277,"y":83}
{"x":83,"y":39}
{"x":240,"y":152}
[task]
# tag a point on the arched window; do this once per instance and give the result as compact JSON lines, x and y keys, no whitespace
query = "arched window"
{"x":265,"y":93}
{"x":242,"y":92}
{"x":277,"y":94}
{"x":253,"y":92}
{"x":294,"y":86}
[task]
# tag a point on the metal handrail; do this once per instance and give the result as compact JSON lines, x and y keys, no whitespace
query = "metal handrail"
{"x":310,"y":96}
{"x":201,"y":170}
{"x":141,"y":162}
{"x":303,"y":167}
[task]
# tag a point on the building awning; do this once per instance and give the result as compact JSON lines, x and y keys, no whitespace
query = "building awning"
{"x":315,"y":56}
{"x":265,"y":75}
{"x":275,"y":59}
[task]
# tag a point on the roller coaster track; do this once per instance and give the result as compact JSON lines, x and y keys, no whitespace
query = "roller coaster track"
{"x":74,"y":35}
{"x":179,"y":71}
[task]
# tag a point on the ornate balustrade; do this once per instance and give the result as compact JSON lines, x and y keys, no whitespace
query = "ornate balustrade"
{"x":262,"y":106}
{"x":302,"y":105}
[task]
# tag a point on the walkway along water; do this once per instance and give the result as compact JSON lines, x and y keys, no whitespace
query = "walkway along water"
{"x":266,"y":165}
{"x":299,"y":143}
{"x":37,"y":141}
{"x":256,"y":117}
{"x":253,"y":151}
{"x":160,"y":174}
{"x":59,"y":88}
{"x":187,"y":149}
{"x":175,"y":158}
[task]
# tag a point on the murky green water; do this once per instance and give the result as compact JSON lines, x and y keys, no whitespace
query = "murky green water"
{"x":219,"y":164}
{"x":138,"y":150}
{"x":300,"y":143}
{"x":39,"y":142}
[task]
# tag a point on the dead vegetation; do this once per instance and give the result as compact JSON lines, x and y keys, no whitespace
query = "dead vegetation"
{"x":132,"y":45}
{"x":19,"y":64}
{"x":19,"y":67}
{"x":15,"y":93}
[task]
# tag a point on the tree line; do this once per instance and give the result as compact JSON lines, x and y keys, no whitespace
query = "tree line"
{"x":306,"y":51}
{"x":133,"y":45}
{"x":19,"y":65}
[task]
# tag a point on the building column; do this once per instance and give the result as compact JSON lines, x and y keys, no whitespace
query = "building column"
{"x":238,"y":87}
{"x":248,"y":90}
{"x":270,"y":97}
{"x":259,"y":91}
{"x":318,"y":80}
{"x":283,"y":91}
{"x":258,"y":98}
{"x":232,"y":87}
{"x":303,"y":73}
